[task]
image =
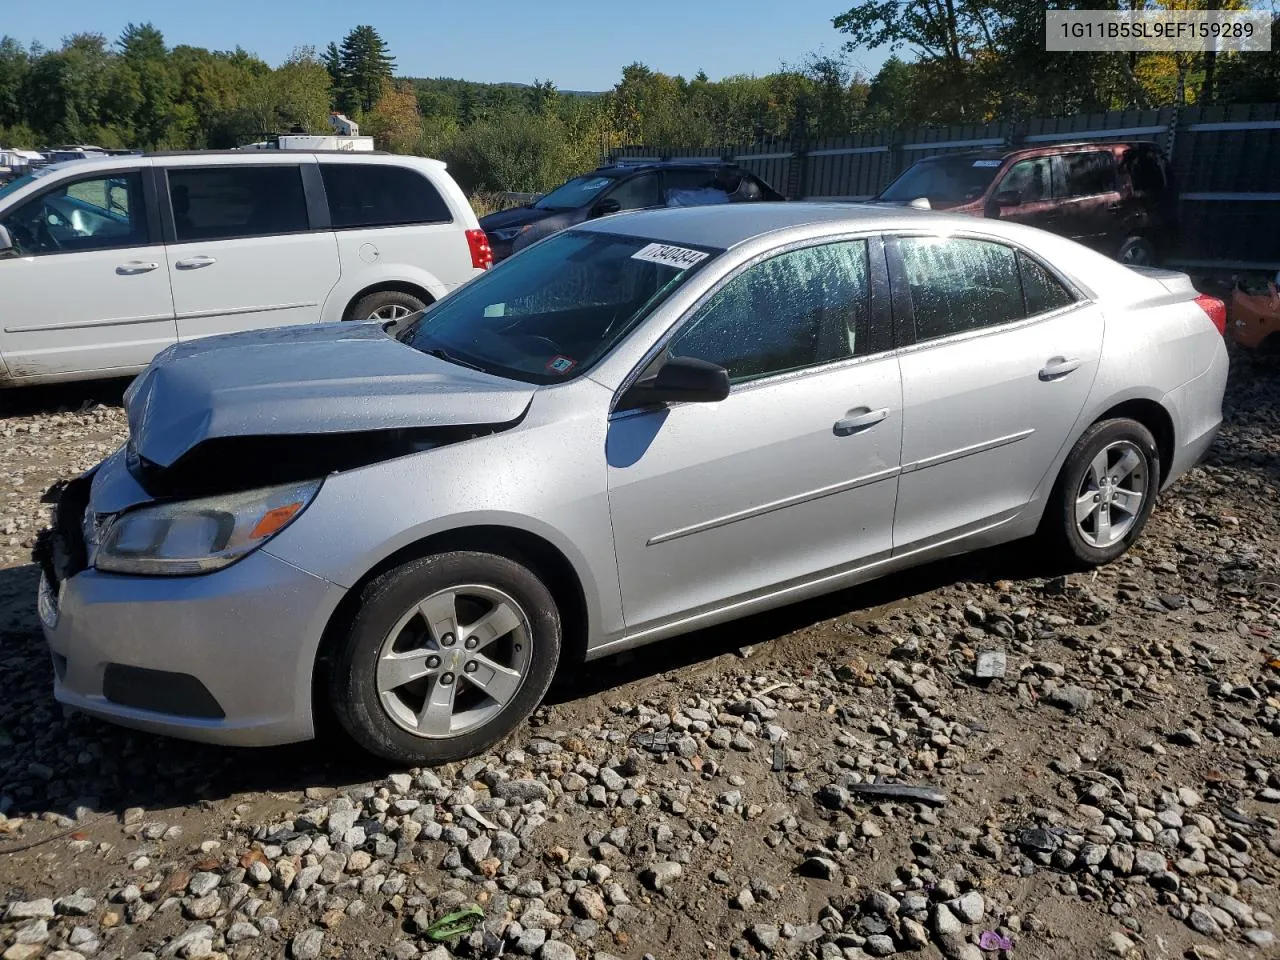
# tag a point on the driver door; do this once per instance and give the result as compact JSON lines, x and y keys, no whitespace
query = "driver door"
{"x":86,"y":288}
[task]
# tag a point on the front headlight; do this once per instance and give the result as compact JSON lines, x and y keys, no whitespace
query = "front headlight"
{"x":198,"y":536}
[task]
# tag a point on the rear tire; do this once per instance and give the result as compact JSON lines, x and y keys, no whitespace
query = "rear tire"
{"x":1104,"y":494}
{"x":420,"y":694}
{"x":1137,"y":252}
{"x":386,"y":305}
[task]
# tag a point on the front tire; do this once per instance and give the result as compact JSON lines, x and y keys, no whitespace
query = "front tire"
{"x":445,"y":657}
{"x":1137,"y":252}
{"x":1104,"y":494}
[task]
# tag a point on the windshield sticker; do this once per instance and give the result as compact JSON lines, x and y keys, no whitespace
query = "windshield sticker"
{"x":597,"y":184}
{"x":496,"y":310}
{"x":682,"y":258}
{"x":987,"y":163}
{"x":561,"y":365}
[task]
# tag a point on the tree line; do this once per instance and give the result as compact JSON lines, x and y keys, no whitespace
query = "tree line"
{"x":952,"y":63}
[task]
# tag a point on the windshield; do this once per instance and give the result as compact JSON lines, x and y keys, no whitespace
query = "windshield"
{"x":578,"y":192}
{"x":550,"y":313}
{"x":949,"y":180}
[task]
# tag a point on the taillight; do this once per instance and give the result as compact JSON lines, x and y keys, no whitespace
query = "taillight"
{"x":481,"y":252}
{"x":1215,"y":309}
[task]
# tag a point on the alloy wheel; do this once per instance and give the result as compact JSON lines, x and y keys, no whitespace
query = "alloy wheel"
{"x":1111,"y":494}
{"x":392,"y":311}
{"x":454,"y":661}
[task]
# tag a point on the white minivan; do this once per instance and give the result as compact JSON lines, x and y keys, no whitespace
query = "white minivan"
{"x":105,"y":262}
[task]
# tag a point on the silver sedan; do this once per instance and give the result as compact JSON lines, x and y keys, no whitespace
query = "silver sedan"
{"x":635,"y":428}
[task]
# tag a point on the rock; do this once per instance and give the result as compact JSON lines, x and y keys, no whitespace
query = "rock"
{"x":823,"y":868}
{"x":881,"y":904}
{"x":31,"y":910}
{"x":23,"y":951}
{"x":832,"y":796}
{"x":765,"y":936}
{"x":1146,"y":862}
{"x":75,"y":906}
{"x":970,"y":908}
{"x":880,"y":945}
{"x":945,"y":923}
{"x":1203,"y":923}
{"x":203,"y":883}
{"x":657,"y":876}
{"x":204,"y":908}
{"x":522,"y":791}
{"x":925,"y":690}
{"x":556,"y":950}
{"x":1119,"y":944}
{"x":587,"y":903}
{"x":990,"y":664}
{"x":1072,"y":698}
{"x":307,"y":944}
{"x":1038,"y":839}
{"x":1260,"y":938}
{"x":742,"y":900}
{"x":239,"y":932}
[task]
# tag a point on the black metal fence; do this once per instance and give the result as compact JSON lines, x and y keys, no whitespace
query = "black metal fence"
{"x":1226,"y":161}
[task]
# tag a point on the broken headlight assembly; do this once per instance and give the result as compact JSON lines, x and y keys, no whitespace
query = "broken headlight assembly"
{"x":184,"y":537}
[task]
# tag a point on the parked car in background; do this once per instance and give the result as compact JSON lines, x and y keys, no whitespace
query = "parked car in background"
{"x":1254,"y":311}
{"x":105,"y":262}
{"x":640,"y":426}
{"x":1118,"y":198}
{"x":620,"y":187}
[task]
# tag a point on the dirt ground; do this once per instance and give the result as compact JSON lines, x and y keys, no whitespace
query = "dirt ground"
{"x":1115,"y":793}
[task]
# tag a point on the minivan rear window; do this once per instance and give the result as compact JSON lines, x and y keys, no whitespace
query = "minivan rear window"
{"x":215,"y":203}
{"x":380,"y":195}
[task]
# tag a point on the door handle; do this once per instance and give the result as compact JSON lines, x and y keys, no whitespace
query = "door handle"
{"x":195,"y":263}
{"x":1058,"y":367}
{"x":136,"y":266}
{"x":859,"y":418}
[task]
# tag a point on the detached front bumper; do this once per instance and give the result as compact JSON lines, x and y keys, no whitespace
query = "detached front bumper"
{"x":225,"y":657}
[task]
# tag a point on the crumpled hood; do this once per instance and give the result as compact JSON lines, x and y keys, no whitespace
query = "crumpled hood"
{"x":335,"y":378}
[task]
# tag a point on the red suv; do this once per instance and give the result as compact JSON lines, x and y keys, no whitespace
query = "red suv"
{"x":1118,"y":198}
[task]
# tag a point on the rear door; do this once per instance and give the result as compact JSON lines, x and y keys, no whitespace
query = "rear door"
{"x":1004,"y":359}
{"x":85,"y":289}
{"x":1090,"y":206}
{"x":390,"y":220}
{"x":246,"y":250}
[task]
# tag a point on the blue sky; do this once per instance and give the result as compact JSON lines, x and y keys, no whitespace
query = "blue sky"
{"x":579,"y":44}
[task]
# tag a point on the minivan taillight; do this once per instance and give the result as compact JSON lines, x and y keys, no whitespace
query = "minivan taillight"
{"x":1215,"y":309}
{"x":481,"y":252}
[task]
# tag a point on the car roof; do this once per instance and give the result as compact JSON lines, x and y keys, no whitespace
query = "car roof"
{"x":1003,"y":153}
{"x":722,"y":226}
{"x":250,"y":157}
{"x":711,"y":163}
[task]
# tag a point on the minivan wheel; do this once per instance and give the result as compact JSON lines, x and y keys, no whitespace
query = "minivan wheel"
{"x":386,"y":305}
{"x":445,"y":657}
{"x":1104,"y":494}
{"x":1137,"y":252}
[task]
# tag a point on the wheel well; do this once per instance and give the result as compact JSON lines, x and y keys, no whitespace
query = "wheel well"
{"x":1156,"y":419}
{"x":397,"y":286}
{"x":540,"y":556}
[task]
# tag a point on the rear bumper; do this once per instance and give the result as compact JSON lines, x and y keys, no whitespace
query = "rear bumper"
{"x":1197,"y":411}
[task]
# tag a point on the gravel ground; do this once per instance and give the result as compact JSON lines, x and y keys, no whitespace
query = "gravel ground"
{"x":1094,"y":762}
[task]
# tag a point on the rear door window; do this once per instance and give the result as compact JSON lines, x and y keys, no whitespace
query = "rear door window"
{"x":1043,"y":292}
{"x":958,"y":284}
{"x":1088,"y":174}
{"x":380,"y":195}
{"x":218,"y":203}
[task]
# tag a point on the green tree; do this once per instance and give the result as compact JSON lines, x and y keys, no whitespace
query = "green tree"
{"x":364,"y":63}
{"x":15,"y":64}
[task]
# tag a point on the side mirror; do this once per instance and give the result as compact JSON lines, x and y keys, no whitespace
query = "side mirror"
{"x":1008,"y":198}
{"x":605,"y":207}
{"x":6,"y":241}
{"x":679,"y":380}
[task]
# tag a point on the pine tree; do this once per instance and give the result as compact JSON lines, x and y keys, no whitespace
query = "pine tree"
{"x":365,"y":65}
{"x":337,"y":79}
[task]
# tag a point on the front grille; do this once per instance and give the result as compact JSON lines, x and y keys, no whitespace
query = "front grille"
{"x":60,"y":549}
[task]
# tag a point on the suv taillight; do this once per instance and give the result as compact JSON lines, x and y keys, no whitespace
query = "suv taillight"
{"x":481,"y":252}
{"x":1215,"y":309}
